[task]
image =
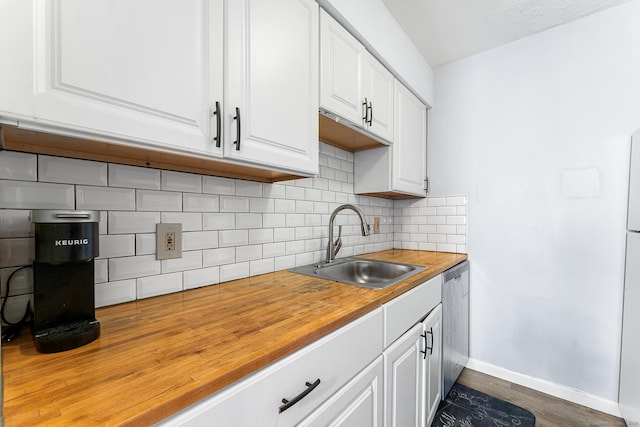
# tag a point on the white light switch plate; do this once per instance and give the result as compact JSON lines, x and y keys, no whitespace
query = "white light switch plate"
{"x":168,"y":241}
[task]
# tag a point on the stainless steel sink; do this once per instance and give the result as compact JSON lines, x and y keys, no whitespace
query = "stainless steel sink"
{"x":367,"y":273}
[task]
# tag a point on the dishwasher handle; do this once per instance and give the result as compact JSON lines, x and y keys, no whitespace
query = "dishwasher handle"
{"x":455,"y":272}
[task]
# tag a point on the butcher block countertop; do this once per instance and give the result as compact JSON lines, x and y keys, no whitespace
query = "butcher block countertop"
{"x":159,"y":355}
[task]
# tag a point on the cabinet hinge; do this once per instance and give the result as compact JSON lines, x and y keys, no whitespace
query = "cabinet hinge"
{"x":426,"y":186}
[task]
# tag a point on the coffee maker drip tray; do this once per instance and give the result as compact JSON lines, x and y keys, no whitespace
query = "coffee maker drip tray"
{"x":66,"y":337}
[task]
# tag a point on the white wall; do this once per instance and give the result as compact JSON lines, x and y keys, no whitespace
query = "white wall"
{"x":376,"y":28}
{"x":537,"y":133}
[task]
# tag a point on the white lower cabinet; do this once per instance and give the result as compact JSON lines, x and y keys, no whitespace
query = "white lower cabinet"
{"x":412,"y":359}
{"x":257,"y":400}
{"x":383,"y":369}
{"x":358,"y":404}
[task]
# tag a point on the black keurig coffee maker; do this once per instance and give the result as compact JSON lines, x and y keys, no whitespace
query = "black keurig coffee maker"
{"x":66,"y":244}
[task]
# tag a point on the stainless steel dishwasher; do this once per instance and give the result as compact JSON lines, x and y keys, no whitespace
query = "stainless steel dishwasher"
{"x":455,"y":324}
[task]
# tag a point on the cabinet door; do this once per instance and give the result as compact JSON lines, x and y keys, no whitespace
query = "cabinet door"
{"x":410,"y":144}
{"x":359,"y":403}
{"x":379,"y":90}
{"x":404,"y":379}
{"x":147,"y":71}
{"x":341,"y":60}
{"x":271,"y":99}
{"x":433,"y":364}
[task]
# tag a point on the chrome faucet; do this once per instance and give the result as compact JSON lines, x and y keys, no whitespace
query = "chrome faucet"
{"x":334,"y":247}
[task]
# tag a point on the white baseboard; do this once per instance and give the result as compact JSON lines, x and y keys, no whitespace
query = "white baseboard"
{"x":563,"y":392}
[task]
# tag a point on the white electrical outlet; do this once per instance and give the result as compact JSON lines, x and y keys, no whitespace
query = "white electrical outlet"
{"x":168,"y":241}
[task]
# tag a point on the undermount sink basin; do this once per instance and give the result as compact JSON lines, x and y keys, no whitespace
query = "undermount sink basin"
{"x":367,"y":273}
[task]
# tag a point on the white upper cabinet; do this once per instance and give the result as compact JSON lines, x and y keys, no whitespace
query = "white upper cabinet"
{"x":169,"y":75}
{"x":108,"y":68}
{"x":272,"y":82}
{"x":353,"y":84}
{"x":410,"y":156}
{"x":399,"y":170}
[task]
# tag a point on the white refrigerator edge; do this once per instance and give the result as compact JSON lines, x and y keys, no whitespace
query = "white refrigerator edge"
{"x":629,"y":394}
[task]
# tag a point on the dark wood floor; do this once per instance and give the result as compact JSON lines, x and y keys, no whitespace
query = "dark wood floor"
{"x":549,"y":411}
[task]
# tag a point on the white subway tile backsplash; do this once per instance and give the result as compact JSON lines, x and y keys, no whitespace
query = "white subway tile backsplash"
{"x":152,"y":286}
{"x":15,"y":223}
{"x":35,"y":195}
{"x":218,"y":185}
{"x":190,"y":260}
{"x":446,"y":229}
{"x":220,"y":256}
{"x":234,"y":271}
{"x":219,"y":221}
{"x":194,"y":240}
{"x":71,"y":171}
{"x":16,"y":252}
{"x":105,"y":198}
{"x":445,"y":247}
{"x":436,"y":201}
{"x":132,"y":222}
{"x":294,"y":220}
{"x":202,"y":277}
{"x":233,"y":238}
{"x":232,"y":228}
{"x":248,"y":253}
{"x":234,"y":204}
{"x":111,"y":293}
{"x":443,"y":230}
{"x":117,"y":245}
{"x":101,"y":273}
{"x":457,"y":220}
{"x":134,"y":266}
{"x":261,"y":235}
{"x":445,"y":210}
{"x":260,"y":205}
{"x":192,"y":202}
{"x":134,"y":177}
{"x":274,"y":191}
{"x":145,"y":244}
{"x":151,"y":200}
{"x":191,"y":221}
{"x":294,"y":247}
{"x":270,"y":250}
{"x":457,"y":200}
{"x":19,"y":166}
{"x":180,"y":181}
{"x":285,"y":206}
{"x":261,"y":266}
{"x":285,"y":262}
{"x":283,"y":234}
{"x":248,"y":188}
{"x":248,"y":220}
{"x":295,"y":193}
{"x":273,"y":220}
{"x":303,"y":206}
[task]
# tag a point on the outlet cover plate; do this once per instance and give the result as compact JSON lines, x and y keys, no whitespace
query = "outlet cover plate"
{"x":173,"y":248}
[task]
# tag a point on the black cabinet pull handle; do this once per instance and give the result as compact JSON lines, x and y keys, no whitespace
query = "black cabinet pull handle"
{"x":424,"y":336}
{"x":365,"y":110}
{"x":289,"y":403}
{"x":370,"y":113}
{"x":237,"y":119}
{"x":430,"y":332}
{"x":216,"y":113}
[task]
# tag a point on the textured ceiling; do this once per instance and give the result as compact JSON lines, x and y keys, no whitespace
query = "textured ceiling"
{"x":446,"y":30}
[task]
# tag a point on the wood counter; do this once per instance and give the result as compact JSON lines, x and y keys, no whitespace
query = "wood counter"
{"x":159,"y":355}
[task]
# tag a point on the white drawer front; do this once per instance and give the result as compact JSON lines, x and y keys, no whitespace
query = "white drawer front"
{"x":255,"y":400}
{"x":403,"y":312}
